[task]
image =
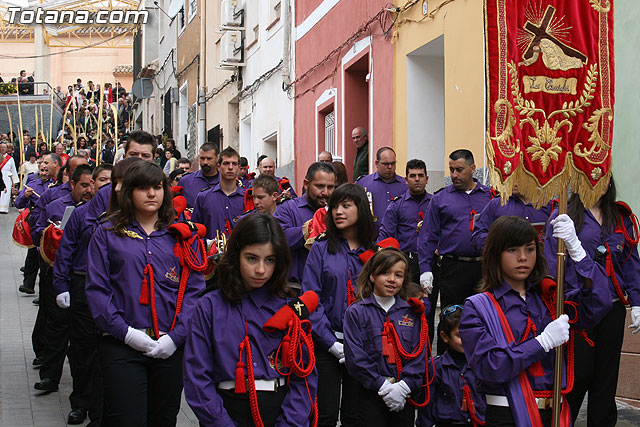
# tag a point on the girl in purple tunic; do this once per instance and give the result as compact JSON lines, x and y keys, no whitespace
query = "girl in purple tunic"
{"x":375,"y":327}
{"x":508,"y":331}
{"x":608,"y":231}
{"x":234,"y":369}
{"x":140,"y":302}
{"x":331,"y":271}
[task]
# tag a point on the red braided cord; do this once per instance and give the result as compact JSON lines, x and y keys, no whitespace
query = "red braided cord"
{"x":251,"y":382}
{"x":622,"y":229}
{"x":612,"y":275}
{"x":152,"y":299}
{"x":471,"y":407}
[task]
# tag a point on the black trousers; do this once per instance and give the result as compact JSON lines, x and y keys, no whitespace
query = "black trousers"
{"x":596,"y":369}
{"x":499,"y":416}
{"x":332,"y":379}
{"x":373,"y":412}
{"x":39,"y":328}
{"x":31,"y":267}
{"x":56,"y":338}
{"x":139,"y":391}
{"x":456,"y":281}
{"x":239,"y":409}
{"x":84,"y":339}
{"x":414,"y":267}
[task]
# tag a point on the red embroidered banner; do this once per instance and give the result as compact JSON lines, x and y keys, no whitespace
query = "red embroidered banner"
{"x":550,"y":94}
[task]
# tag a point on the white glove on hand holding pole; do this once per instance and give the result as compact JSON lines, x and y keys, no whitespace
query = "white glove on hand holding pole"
{"x":564,"y":229}
{"x":63,"y":300}
{"x":139,"y":341}
{"x":555,"y":334}
{"x":635,"y":320}
{"x":426,"y":280}
{"x":397,"y":396}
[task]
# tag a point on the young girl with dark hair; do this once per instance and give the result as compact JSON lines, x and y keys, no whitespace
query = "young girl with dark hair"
{"x":379,"y":328}
{"x":141,"y":301}
{"x":510,"y":330}
{"x":455,"y":400}
{"x":609,"y":234}
{"x":229,"y":335}
{"x":331,"y":271}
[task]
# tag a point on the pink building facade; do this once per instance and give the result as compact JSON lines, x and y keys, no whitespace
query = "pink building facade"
{"x":344,"y":79}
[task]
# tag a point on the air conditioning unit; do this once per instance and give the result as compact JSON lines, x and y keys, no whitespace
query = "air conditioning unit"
{"x":174,"y":95}
{"x":231,"y":13}
{"x":231,"y":48}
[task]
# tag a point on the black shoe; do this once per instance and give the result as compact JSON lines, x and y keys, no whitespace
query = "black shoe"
{"x":38,"y":362}
{"x":77,"y":416}
{"x":47,"y":385}
{"x":26,"y":290}
{"x":22,"y":269}
{"x":36,"y":301}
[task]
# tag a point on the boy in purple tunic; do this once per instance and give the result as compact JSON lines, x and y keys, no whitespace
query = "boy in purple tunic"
{"x":227,"y":334}
{"x":455,"y":400}
{"x":509,"y":331}
{"x":141,"y":302}
{"x":382,"y":319}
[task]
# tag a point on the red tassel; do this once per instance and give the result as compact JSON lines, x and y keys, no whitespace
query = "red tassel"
{"x":241,"y":382}
{"x":351,"y":295}
{"x":144,"y":292}
{"x":536,"y":370}
{"x":471,"y":221}
{"x":387,"y":347}
{"x":286,"y":342}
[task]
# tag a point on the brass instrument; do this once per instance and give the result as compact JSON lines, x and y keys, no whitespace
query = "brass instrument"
{"x":370,"y":199}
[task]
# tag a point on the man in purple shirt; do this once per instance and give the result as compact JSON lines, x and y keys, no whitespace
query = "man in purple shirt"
{"x":219,"y":208}
{"x":383,"y":185}
{"x":207,"y":177}
{"x":57,"y":320}
{"x":404,"y":215}
{"x":27,"y":199}
{"x":447,"y":227}
{"x":319,"y":183}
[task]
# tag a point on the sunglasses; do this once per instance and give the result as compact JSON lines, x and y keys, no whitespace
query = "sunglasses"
{"x":452,"y":309}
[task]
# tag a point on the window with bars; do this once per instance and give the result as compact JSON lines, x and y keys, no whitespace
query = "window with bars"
{"x":330,"y":132}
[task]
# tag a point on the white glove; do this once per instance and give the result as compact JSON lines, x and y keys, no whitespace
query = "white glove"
{"x":397,"y":396}
{"x":635,"y":320}
{"x":139,"y":341}
{"x":385,"y":388}
{"x":426,"y":280}
{"x":555,"y":334}
{"x":164,"y":349}
{"x":564,"y":229}
{"x":63,"y":300}
{"x":337,"y":350}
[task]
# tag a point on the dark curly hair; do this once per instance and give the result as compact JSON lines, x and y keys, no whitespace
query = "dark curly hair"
{"x":254,"y":229}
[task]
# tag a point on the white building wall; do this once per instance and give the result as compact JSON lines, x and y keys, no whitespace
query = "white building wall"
{"x":266,"y":113}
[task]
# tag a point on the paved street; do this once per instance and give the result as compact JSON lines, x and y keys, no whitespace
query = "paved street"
{"x":20,"y":404}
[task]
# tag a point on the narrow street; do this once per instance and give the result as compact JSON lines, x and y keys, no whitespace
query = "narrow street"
{"x":21,"y":405}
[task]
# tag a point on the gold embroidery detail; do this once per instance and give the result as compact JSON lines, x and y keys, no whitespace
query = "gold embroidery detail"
{"x":596,"y":173}
{"x":171,"y":275}
{"x":546,"y":135}
{"x":507,"y":168}
{"x":550,"y":85}
{"x":599,"y":149}
{"x":504,"y":140}
{"x":133,"y":234}
{"x":601,"y":6}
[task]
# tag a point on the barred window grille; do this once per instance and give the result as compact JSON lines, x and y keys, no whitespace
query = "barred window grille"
{"x":330,"y":132}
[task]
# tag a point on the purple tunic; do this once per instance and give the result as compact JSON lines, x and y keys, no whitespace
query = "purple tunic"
{"x":97,"y":206}
{"x":38,"y":212}
{"x":114,"y":279}
{"x":327,"y":274}
{"x":53,"y":211}
{"x":446,"y":224}
{"x":445,"y":405}
{"x":38,"y":186}
{"x":514,"y":207}
{"x":211,"y":353}
{"x":292,"y":215}
{"x":625,"y":259}
{"x":214,"y":209}
{"x":400,"y":221}
{"x":194,"y":182}
{"x":72,"y":252}
{"x":363,"y":326}
{"x":382,"y":193}
{"x":494,"y":363}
